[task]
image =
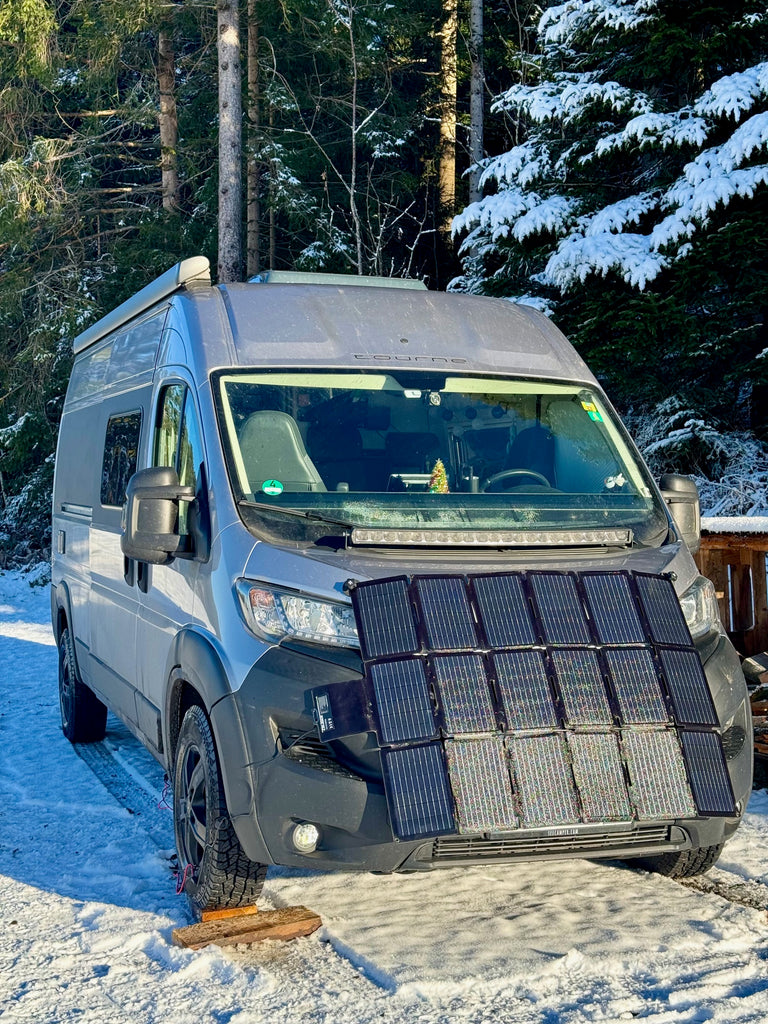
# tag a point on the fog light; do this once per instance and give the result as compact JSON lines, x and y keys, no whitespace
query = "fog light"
{"x":305,"y":837}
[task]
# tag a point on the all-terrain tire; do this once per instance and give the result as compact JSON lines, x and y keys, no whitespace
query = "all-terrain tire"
{"x":83,"y":716}
{"x":213,"y":868}
{"x":686,"y":863}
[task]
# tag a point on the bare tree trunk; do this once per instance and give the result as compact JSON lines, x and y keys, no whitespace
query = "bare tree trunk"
{"x":353,"y":132}
{"x":253,"y":211}
{"x":230,"y":142}
{"x":272,"y":221}
{"x":168,"y":121}
{"x":476,"y":97}
{"x":447,"y":167}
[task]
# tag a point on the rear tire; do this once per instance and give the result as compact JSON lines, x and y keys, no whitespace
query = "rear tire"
{"x":83,"y":716}
{"x":686,"y":863}
{"x":214,"y":870}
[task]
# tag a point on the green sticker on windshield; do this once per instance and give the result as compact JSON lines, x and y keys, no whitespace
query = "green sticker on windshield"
{"x":272,"y":487}
{"x":591,"y":409}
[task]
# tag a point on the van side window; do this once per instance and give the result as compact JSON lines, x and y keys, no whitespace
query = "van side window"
{"x":177,"y":440}
{"x":121,"y":447}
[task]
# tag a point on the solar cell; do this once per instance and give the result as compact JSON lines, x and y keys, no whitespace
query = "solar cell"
{"x":560,"y":610}
{"x":524,"y":690}
{"x":599,"y":777}
{"x":613,"y":608}
{"x":417,"y":789}
{"x":482,"y":789}
{"x":658,"y":783}
{"x":463,"y":693}
{"x":636,"y":685}
{"x":688,"y":687}
{"x":504,"y":610}
{"x":710,"y":781}
{"x":662,"y":610}
{"x":581,"y":684}
{"x":403,"y":702}
{"x":446,"y":613}
{"x":543,"y":780}
{"x":384,"y":618}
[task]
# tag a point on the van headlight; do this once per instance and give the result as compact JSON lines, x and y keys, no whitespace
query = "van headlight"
{"x":274,"y":614}
{"x":699,"y":604}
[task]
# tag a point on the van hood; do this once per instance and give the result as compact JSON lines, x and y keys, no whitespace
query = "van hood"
{"x":324,"y":573}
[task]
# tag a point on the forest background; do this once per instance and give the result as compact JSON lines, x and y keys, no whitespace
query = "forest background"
{"x":605,"y":160}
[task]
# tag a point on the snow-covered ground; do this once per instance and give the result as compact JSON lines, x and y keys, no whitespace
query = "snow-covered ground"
{"x":88,"y":905}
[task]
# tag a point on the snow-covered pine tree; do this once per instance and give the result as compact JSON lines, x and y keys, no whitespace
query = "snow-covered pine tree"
{"x":634,"y":203}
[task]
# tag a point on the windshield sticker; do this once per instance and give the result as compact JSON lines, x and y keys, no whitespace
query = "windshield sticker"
{"x":615,"y":481}
{"x":272,"y":487}
{"x":591,"y":410}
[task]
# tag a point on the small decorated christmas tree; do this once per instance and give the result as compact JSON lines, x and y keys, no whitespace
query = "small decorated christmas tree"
{"x":438,"y":482}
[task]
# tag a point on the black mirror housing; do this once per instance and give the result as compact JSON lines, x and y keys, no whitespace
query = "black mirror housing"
{"x":681,"y":496}
{"x":151,"y":515}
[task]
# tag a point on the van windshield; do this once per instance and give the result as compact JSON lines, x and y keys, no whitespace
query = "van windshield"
{"x":418,"y":450}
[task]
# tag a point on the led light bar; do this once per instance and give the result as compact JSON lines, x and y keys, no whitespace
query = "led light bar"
{"x":492,"y":538}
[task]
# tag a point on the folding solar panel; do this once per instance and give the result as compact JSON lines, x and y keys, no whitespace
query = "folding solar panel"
{"x":560,"y":610}
{"x":662,"y":609}
{"x":385,"y":619}
{"x":636,"y":685}
{"x":613,"y":608}
{"x":417,"y":789}
{"x":599,"y":777}
{"x":688,"y":687}
{"x":560,"y":660}
{"x":543,"y":780}
{"x":581,"y":684}
{"x":446,"y":613}
{"x":524,"y":690}
{"x":482,"y":789}
{"x":504,"y":610}
{"x":403,"y":702}
{"x":658,"y":783}
{"x":463,"y":693}
{"x":710,"y":781}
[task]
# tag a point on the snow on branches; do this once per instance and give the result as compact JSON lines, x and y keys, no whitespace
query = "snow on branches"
{"x":613,"y":176}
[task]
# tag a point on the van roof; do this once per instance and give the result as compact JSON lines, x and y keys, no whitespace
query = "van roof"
{"x":293,"y":320}
{"x":317,"y":325}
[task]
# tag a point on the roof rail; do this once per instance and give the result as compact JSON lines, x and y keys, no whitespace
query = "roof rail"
{"x":195,"y":270}
{"x":341,"y":280}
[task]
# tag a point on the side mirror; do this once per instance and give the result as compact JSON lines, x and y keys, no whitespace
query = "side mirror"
{"x":151,"y":515}
{"x":682,"y":499}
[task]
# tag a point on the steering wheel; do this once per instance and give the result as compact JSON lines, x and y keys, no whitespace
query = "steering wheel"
{"x":506,"y":473}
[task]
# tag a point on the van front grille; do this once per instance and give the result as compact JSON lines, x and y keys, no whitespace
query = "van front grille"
{"x":308,"y":749}
{"x":458,"y":848}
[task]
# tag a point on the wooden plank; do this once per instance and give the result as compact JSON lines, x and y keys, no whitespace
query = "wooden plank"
{"x":285,"y":923}
{"x":734,"y":541}
{"x":221,"y":915}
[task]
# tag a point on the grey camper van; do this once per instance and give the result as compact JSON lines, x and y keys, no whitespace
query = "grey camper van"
{"x":378,"y":576}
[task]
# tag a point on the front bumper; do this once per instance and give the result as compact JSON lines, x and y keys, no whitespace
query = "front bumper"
{"x":289,"y":777}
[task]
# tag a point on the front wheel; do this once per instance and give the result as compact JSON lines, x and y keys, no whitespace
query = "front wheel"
{"x":686,"y":863}
{"x":214,"y":870}
{"x":83,"y":716}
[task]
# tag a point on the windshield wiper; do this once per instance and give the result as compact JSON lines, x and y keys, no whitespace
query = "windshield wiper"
{"x":316,"y":517}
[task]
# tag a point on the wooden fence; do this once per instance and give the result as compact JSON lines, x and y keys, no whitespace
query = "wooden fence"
{"x":736,"y":564}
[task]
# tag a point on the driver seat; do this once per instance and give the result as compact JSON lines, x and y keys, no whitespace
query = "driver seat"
{"x":533,"y":448}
